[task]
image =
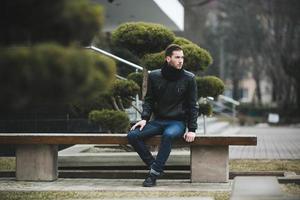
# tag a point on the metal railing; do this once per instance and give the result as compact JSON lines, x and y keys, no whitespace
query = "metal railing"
{"x":228,"y":111}
{"x":115,"y":57}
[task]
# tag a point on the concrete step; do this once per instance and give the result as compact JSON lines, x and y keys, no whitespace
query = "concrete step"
{"x":258,"y":188}
{"x":112,"y":186}
{"x":76,"y":159}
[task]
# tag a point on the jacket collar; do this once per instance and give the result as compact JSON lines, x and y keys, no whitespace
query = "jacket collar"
{"x":170,"y":73}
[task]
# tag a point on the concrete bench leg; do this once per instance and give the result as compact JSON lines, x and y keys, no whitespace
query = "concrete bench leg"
{"x":209,"y":164}
{"x":36,"y":162}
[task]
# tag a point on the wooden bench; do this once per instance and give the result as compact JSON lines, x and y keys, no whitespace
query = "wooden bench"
{"x":36,"y":154}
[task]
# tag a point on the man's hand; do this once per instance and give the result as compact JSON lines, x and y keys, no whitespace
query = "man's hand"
{"x":189,"y":136}
{"x":141,"y":124}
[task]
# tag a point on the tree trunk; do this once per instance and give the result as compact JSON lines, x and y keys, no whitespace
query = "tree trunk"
{"x":120,"y":103}
{"x":114,"y":103}
{"x":298,"y":96}
{"x":257,"y":89}
{"x":235,"y":89}
{"x":145,"y":82}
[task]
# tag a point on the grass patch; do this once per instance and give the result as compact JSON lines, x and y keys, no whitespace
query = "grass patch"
{"x":108,"y":195}
{"x":291,"y":188}
{"x":264,"y":165}
{"x":7,"y":163}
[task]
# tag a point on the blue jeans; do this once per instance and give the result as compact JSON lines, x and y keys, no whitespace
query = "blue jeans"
{"x":169,"y":129}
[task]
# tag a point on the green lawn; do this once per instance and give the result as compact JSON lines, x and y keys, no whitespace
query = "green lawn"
{"x":264,"y":165}
{"x":8,"y":163}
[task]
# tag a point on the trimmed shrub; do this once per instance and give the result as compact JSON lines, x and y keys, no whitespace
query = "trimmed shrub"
{"x":154,"y":61}
{"x":196,"y":58}
{"x":62,"y":21}
{"x":49,"y":73}
{"x":209,"y":86}
{"x":119,"y":96}
{"x":137,"y":77}
{"x":125,"y":90}
{"x":110,"y":120}
{"x":142,"y":38}
{"x":182,"y":41}
{"x":205,"y":109}
{"x":81,"y":109}
{"x":106,"y":65}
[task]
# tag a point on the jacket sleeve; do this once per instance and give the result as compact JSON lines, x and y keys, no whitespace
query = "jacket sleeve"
{"x":193,"y":105}
{"x":148,"y":101}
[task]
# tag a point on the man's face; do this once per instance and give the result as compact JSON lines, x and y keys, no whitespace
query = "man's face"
{"x":176,"y":60}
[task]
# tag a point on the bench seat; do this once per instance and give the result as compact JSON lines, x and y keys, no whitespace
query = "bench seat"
{"x":36,"y":153}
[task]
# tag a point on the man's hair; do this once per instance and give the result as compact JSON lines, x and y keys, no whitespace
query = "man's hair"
{"x":172,"y":47}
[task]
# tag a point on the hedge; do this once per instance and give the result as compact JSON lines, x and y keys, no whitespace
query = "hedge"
{"x":196,"y":58}
{"x":209,"y":86}
{"x":205,"y":109}
{"x":50,"y":73}
{"x":142,"y":38}
{"x":110,"y":120}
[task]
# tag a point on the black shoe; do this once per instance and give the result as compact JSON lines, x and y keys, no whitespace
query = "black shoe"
{"x":150,"y":181}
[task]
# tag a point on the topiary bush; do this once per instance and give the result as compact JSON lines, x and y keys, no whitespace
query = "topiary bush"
{"x":49,"y":73}
{"x":110,"y":120}
{"x":182,"y":41}
{"x":205,"y":109}
{"x":125,"y":88}
{"x":137,"y":77}
{"x":119,"y":97}
{"x":153,"y":61}
{"x":209,"y":86}
{"x":124,"y":91}
{"x":63,"y":21}
{"x":196,"y":58}
{"x":106,"y":65}
{"x":142,"y":38}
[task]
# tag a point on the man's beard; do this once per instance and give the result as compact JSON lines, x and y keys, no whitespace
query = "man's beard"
{"x":174,"y":66}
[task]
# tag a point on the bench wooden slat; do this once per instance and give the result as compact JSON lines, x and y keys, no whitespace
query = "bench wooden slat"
{"x":49,"y":138}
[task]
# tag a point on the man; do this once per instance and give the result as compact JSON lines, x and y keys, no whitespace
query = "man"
{"x":172,"y":98}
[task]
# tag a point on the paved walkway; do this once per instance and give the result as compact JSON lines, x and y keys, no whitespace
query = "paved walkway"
{"x":130,"y":185}
{"x":113,"y":189}
{"x":258,"y":188}
{"x":272,"y":143}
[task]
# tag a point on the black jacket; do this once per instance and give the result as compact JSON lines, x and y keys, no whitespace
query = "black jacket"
{"x":172,"y":99}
